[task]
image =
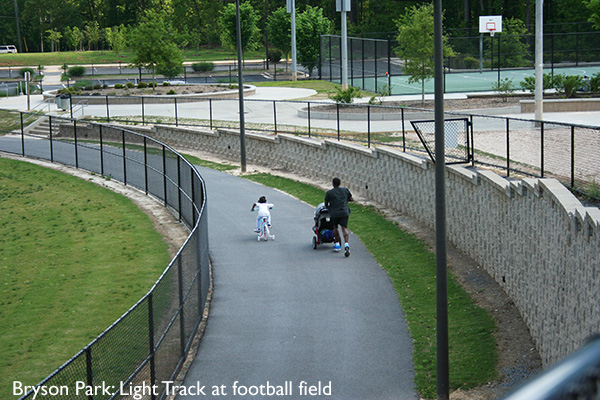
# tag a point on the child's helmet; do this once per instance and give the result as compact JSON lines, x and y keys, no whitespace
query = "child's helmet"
{"x":262,"y":199}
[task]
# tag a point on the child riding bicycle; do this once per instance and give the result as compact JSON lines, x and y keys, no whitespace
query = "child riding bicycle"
{"x":263,"y":211}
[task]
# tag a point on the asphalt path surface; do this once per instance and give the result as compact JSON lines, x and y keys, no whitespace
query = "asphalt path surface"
{"x":284,"y":313}
{"x":286,"y":321}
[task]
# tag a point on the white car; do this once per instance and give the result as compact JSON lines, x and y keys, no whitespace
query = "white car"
{"x":8,"y":48}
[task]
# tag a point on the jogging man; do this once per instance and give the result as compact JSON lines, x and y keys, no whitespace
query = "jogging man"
{"x":336,"y":201}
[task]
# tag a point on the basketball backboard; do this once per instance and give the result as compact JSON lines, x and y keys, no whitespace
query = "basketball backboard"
{"x":490,"y":24}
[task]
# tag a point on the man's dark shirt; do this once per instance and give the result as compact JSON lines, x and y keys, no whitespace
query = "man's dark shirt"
{"x":336,"y":201}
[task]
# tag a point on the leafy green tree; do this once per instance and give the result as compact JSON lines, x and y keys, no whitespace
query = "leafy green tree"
{"x":54,"y":37}
{"x":594,"y":7}
{"x":116,"y":37}
{"x":310,"y":25}
{"x":416,"y":44}
{"x":74,"y":37}
{"x":250,"y":34}
{"x":514,"y":52}
{"x":92,"y":33}
{"x":280,"y":30}
{"x":155,"y":45}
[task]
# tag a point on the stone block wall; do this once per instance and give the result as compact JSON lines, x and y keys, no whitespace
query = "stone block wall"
{"x":533,"y":236}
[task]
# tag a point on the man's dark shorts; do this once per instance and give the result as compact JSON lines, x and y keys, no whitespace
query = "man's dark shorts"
{"x":343,"y":221}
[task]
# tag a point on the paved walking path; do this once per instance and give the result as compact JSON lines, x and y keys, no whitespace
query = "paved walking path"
{"x":283,"y":313}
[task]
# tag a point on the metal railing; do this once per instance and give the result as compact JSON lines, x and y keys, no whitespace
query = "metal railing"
{"x":576,"y":377}
{"x":512,"y":146}
{"x":149,"y":343}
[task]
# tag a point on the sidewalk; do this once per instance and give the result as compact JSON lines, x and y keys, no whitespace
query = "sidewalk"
{"x":283,"y":313}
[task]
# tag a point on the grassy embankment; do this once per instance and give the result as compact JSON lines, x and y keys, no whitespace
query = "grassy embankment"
{"x":73,"y":258}
{"x":410,"y":265}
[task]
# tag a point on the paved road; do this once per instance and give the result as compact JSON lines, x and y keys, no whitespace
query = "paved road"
{"x":284,"y":312}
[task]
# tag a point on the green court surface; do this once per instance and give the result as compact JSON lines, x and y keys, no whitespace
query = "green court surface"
{"x":458,"y":82}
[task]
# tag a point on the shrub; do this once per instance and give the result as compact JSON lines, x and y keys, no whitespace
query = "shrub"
{"x":119,"y":86}
{"x":171,"y":91}
{"x":26,"y":69}
{"x":203,"y":67}
{"x":130,"y":85}
{"x":97,"y":86}
{"x":165,"y":83}
{"x":471,"y":62}
{"x":274,"y":55}
{"x":549,"y":82}
{"x":77,"y":70}
{"x":504,"y":87}
{"x":345,"y":96}
{"x":570,"y":85}
{"x":142,"y":85}
{"x":594,"y":83}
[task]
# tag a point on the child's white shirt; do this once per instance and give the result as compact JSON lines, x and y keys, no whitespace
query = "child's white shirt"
{"x":263,"y":209}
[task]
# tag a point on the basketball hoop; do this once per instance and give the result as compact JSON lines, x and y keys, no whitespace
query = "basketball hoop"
{"x":490,"y":24}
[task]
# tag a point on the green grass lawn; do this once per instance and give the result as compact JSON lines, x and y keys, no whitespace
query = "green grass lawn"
{"x":73,"y":258}
{"x":109,"y":57}
{"x":411,"y":267}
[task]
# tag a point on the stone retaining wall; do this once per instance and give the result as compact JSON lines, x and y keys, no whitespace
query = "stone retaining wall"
{"x":562,"y":105}
{"x":533,"y":236}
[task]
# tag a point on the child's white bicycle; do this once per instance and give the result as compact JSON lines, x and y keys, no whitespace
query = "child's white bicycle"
{"x":263,"y":230}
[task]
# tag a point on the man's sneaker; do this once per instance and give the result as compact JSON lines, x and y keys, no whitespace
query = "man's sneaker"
{"x":256,"y":231}
{"x":337,"y":247}
{"x":346,"y":249}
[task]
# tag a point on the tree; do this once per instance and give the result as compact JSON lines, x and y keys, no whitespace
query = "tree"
{"x":280,"y":30}
{"x":74,"y":37}
{"x":117,"y":38}
{"x":155,"y":46}
{"x":415,"y":37}
{"x":248,"y":23}
{"x":310,"y":25}
{"x":54,"y":37}
{"x":92,"y":33}
{"x":594,"y":7}
{"x":514,"y":52}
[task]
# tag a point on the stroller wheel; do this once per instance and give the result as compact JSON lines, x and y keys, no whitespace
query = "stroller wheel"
{"x":314,"y":242}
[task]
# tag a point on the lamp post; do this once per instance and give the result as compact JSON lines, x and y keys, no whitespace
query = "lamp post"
{"x":241,"y":89}
{"x":539,"y":59}
{"x":443,"y":379}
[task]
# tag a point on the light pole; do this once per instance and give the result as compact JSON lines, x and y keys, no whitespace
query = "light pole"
{"x":343,"y":6}
{"x":291,"y":8}
{"x":539,"y":59}
{"x":241,"y":88}
{"x":443,"y":378}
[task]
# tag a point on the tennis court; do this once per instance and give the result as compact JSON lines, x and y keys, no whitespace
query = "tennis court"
{"x":457,"y":82}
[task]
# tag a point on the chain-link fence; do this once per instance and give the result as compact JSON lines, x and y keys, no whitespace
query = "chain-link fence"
{"x":148,"y":344}
{"x":509,"y":145}
{"x":481,"y":61}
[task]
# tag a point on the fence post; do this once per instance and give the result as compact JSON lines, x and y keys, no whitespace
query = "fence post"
{"x":403,"y":131}
{"x":542,"y":147}
{"x":143,"y":112}
{"x":50,"y":137}
{"x":176,"y":119}
{"x":337,"y":108}
{"x":179,"y":187}
{"x":101,"y":153}
{"x":181,"y":308}
{"x":89,"y":371}
{"x":507,"y":147}
{"x":308,"y":118}
{"x":572,"y":157}
{"x":107,"y":110}
{"x":145,"y":165}
{"x":22,"y":136}
{"x":210,"y":113}
{"x":124,"y":158}
{"x":164,"y":173}
{"x":275,"y":115}
{"x":75,"y":143}
{"x":151,"y":342}
{"x":368,"y":126}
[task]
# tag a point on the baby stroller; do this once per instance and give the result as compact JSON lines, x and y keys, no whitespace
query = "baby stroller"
{"x":323,"y":228}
